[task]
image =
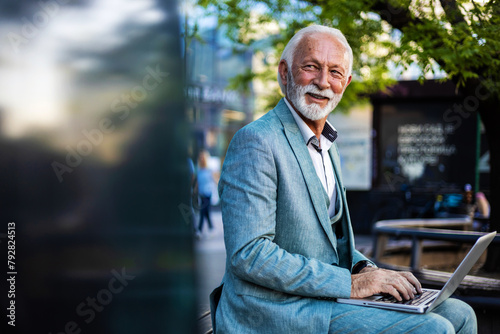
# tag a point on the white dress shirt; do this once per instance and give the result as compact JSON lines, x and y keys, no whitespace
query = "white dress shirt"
{"x":321,"y":160}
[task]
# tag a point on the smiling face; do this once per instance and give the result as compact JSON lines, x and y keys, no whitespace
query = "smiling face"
{"x":318,"y":76}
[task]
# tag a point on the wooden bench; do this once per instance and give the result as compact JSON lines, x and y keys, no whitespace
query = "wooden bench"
{"x":473,"y":289}
{"x":205,"y":323}
{"x":418,"y":230}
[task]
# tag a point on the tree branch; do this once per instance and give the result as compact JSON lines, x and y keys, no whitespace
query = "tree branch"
{"x":398,"y":18}
{"x":452,"y":11}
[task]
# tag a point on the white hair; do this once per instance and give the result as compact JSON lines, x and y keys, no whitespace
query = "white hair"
{"x":291,"y":48}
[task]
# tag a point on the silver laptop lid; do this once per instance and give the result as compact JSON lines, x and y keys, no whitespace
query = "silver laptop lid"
{"x":463,"y":269}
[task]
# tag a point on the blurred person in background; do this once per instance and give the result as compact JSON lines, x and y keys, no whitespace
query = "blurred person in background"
{"x":483,"y":206}
{"x":205,"y":187}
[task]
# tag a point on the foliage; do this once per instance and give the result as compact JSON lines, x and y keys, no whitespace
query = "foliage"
{"x":458,"y":37}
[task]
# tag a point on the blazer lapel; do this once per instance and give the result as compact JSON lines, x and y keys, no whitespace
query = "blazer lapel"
{"x":346,"y":225}
{"x":316,"y":191}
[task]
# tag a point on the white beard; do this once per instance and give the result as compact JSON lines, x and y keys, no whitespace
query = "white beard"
{"x":313,"y":111}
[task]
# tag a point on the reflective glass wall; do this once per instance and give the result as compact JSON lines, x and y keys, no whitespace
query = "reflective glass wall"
{"x":94,"y":173}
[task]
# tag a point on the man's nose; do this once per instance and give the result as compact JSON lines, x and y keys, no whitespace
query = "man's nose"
{"x":321,"y":80}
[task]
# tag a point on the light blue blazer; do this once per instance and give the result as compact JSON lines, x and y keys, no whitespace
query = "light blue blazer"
{"x":282,"y":267}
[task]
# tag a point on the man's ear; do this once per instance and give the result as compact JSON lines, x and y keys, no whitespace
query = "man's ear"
{"x":283,"y":71}
{"x":348,"y":82}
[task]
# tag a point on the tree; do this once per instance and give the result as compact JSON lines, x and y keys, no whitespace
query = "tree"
{"x":456,"y":38}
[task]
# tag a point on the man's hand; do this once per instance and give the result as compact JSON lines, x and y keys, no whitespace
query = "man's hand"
{"x":371,"y":281}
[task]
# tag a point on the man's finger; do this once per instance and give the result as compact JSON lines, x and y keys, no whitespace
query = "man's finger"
{"x":410,"y":289}
{"x":403,"y":287}
{"x":413,"y":280}
{"x":401,"y":284}
{"x":393,"y":292}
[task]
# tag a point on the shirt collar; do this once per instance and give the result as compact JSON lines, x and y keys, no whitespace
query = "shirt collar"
{"x":328,"y":135}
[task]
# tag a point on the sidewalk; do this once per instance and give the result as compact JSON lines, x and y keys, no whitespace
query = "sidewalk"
{"x":210,"y":257}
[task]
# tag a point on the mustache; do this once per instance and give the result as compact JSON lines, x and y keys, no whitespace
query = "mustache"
{"x":315,"y":90}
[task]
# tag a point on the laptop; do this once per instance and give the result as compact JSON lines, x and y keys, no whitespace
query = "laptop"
{"x":429,"y":298}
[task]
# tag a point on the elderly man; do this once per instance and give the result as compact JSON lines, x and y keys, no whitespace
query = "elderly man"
{"x":288,"y":236}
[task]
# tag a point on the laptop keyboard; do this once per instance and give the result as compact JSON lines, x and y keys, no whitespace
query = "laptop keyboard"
{"x":418,"y":300}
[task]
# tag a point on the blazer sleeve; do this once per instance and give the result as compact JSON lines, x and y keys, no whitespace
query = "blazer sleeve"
{"x":248,"y":192}
{"x":358,"y":257}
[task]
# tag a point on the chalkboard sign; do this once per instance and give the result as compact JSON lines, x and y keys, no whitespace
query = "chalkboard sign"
{"x":421,"y":146}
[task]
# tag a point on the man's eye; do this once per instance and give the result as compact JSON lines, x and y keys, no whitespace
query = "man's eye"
{"x":336,"y":74}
